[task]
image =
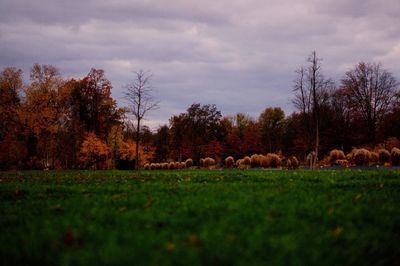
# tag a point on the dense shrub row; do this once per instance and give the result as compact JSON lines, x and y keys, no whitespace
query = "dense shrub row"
{"x":357,"y":157}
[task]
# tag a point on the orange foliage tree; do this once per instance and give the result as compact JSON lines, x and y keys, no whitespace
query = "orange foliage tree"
{"x":40,"y":111}
{"x":93,"y":151}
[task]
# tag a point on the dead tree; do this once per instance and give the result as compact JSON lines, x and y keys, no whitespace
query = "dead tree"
{"x":310,"y":87}
{"x":139,"y":96}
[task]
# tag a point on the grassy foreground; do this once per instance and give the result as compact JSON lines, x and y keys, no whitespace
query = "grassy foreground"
{"x":184,"y":217}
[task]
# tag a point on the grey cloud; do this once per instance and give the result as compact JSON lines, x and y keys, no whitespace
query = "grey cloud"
{"x":240,"y":55}
{"x":76,"y":12}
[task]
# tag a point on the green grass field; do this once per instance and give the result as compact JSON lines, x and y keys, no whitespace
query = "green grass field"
{"x":189,"y":217}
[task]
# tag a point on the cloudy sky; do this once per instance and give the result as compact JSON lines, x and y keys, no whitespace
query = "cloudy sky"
{"x":238,"y":54}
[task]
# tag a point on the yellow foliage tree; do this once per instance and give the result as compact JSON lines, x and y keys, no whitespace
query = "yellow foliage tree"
{"x":128,"y":152}
{"x":115,"y":143}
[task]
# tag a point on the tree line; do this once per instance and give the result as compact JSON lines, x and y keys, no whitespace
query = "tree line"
{"x":58,"y":123}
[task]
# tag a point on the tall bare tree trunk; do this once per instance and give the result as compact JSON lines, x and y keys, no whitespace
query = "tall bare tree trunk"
{"x":139,"y":96}
{"x":315,"y":68}
{"x":137,"y":164}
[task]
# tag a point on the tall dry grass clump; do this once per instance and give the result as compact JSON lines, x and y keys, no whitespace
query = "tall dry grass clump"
{"x":188,"y":163}
{"x":335,"y":155}
{"x":373,"y":157}
{"x":264,"y":161}
{"x":171,"y":166}
{"x":361,"y":156}
{"x":395,"y":156}
{"x":164,"y":166}
{"x":292,"y":162}
{"x":274,"y":160}
{"x":255,"y":160}
{"x":208,"y":162}
{"x":350,"y":158}
{"x":243,"y":163}
{"x":384,"y":156}
{"x":239,"y":162}
{"x":229,"y":162}
{"x":179,"y":165}
{"x":247,"y":160}
{"x":311,"y":159}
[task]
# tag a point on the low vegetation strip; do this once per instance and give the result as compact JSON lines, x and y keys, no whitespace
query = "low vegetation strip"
{"x":197,"y":217}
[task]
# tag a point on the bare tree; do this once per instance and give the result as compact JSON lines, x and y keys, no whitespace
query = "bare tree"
{"x":139,"y":96}
{"x":371,"y":91}
{"x":310,"y":88}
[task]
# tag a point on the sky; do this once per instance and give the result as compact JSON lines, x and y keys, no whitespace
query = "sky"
{"x":238,"y":54}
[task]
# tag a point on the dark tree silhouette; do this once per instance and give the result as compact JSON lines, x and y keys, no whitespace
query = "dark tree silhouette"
{"x":371,"y":91}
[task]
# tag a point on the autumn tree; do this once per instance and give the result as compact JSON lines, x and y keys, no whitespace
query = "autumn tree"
{"x":391,"y":125}
{"x":40,"y":111}
{"x":10,"y":88}
{"x":12,"y":146}
{"x":88,"y":107}
{"x":94,"y":151}
{"x":240,"y":122}
{"x":128,"y":152}
{"x":139,"y":95}
{"x":345,"y":133}
{"x":195,"y":128}
{"x":177,"y":132}
{"x":97,"y":109}
{"x":243,"y":136}
{"x":115,"y":143}
{"x":161,"y":143}
{"x":371,"y":91}
{"x":271,"y":122}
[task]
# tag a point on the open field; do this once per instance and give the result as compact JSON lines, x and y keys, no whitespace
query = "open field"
{"x":187,"y":217}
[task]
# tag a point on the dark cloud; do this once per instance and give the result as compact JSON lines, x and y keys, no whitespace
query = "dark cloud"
{"x":240,"y":55}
